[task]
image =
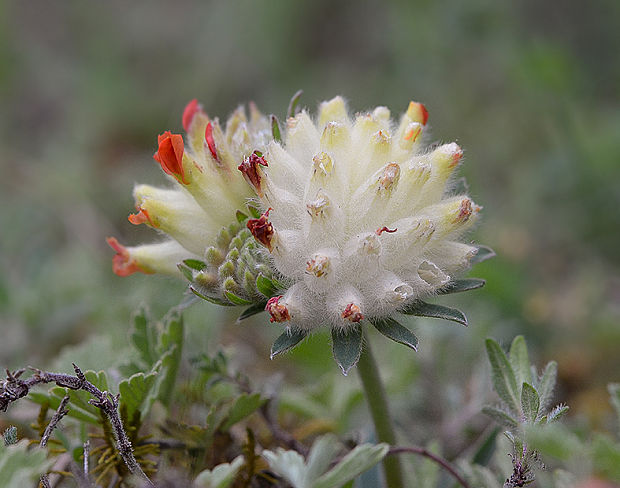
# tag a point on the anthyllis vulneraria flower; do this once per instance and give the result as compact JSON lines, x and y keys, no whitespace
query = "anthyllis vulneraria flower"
{"x":199,"y":214}
{"x":359,"y":222}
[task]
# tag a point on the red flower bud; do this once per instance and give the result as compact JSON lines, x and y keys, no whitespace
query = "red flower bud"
{"x":278,"y":311}
{"x":188,"y":114}
{"x":262,"y":230}
{"x":250,"y":167}
{"x":170,"y":155}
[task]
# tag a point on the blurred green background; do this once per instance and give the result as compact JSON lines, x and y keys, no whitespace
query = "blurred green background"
{"x":530,"y":90}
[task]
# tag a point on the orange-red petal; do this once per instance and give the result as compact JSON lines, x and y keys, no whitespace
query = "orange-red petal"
{"x":210,"y":141}
{"x":140,"y":217}
{"x":122,"y":263}
{"x":188,"y":114}
{"x":170,"y":155}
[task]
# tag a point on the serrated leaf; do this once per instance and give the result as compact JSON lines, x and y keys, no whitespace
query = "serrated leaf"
{"x":195,"y":264}
{"x":137,"y":394}
{"x":237,"y":300}
{"x":222,"y":476}
{"x":530,"y":403}
{"x":266,"y":286}
{"x":292,"y":106}
{"x":501,"y":417}
{"x":243,"y":407}
{"x":352,"y":465}
{"x":275,"y":129}
{"x":252,"y":310}
{"x":423,"y":309}
{"x":484,"y":253}
{"x":520,"y":361}
{"x":287,"y":341}
{"x":557,"y":412}
{"x":79,"y":408}
{"x":347,"y":347}
{"x":547,"y":384}
{"x":288,"y":464}
{"x":503,"y":376}
{"x":391,"y":329}
{"x":457,"y":286}
{"x":204,"y":296}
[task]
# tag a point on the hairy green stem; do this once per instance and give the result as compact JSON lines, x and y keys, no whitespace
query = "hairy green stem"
{"x":379,"y":411}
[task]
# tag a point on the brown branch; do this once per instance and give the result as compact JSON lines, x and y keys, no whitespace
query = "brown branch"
{"x":61,"y":411}
{"x":13,"y":388}
{"x":433,"y":457}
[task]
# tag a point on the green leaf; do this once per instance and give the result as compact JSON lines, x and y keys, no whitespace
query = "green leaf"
{"x":503,"y":376}
{"x":501,"y":417}
{"x":137,"y":395}
{"x":352,"y":465}
{"x":423,"y":309}
{"x":241,"y":217}
{"x":547,"y":384}
{"x":186,"y":271}
{"x":485,"y":452}
{"x":557,"y":412}
{"x":322,"y":453}
{"x":254,"y":211}
{"x":391,"y":329}
{"x":252,"y":310}
{"x":243,"y":407}
{"x":529,"y":403}
{"x":520,"y":362}
{"x":208,"y":298}
{"x":170,"y":350}
{"x":347,"y":347}
{"x":222,"y":476}
{"x":606,"y":457}
{"x":195,"y":264}
{"x":484,"y":253}
{"x":143,"y":337}
{"x":457,"y":286}
{"x":275,"y":129}
{"x":237,"y":300}
{"x":266,"y":286}
{"x":287,"y":341}
{"x":21,"y":466}
{"x":292,"y":106}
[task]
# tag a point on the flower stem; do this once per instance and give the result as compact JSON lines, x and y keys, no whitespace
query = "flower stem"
{"x":378,"y":406}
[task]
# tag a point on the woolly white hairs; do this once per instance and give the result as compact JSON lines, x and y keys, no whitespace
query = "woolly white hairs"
{"x":358,"y":216}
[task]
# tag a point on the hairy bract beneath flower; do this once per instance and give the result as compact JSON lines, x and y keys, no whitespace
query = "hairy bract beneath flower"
{"x":361,"y":219}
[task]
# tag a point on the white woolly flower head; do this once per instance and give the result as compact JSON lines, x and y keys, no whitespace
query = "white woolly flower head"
{"x":360,"y":218}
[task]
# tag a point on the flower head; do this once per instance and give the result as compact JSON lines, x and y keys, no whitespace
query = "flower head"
{"x":198,"y":212}
{"x":359,"y":220}
{"x":362,"y":221}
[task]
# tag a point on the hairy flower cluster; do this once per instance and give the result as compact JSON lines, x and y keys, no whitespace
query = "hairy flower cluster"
{"x":206,"y":191}
{"x":359,"y":221}
{"x":359,"y":216}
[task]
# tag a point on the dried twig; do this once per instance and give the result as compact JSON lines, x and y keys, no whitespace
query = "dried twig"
{"x":13,"y":388}
{"x":61,"y":411}
{"x":433,"y":457}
